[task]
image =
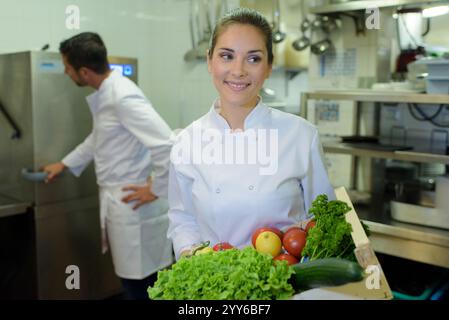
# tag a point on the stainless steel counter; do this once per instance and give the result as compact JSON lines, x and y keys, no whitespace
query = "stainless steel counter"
{"x":406,"y":240}
{"x":10,"y":207}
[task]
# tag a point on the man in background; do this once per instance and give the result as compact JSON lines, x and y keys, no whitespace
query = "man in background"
{"x":128,"y":139}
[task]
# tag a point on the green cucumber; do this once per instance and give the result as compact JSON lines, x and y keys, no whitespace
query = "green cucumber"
{"x":327,"y":272}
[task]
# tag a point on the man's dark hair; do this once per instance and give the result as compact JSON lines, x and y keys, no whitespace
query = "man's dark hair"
{"x":87,"y":50}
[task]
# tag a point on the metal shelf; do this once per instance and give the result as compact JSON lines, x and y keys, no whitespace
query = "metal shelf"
{"x":366,"y":4}
{"x":364,"y":95}
{"x":411,"y":156}
{"x":405,"y":240}
{"x":414,"y":242}
{"x":379,"y":96}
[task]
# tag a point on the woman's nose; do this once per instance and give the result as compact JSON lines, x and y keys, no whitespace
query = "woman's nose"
{"x":238,"y":68}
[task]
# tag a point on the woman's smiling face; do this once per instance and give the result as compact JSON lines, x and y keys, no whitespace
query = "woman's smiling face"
{"x":239,"y":65}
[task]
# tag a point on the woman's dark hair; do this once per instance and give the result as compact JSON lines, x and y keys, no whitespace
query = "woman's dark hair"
{"x":87,"y":50}
{"x":244,"y":16}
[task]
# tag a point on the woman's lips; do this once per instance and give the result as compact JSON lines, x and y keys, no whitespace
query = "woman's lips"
{"x":237,"y":86}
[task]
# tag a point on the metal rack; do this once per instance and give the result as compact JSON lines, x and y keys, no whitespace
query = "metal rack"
{"x":364,"y":4}
{"x":414,"y":242}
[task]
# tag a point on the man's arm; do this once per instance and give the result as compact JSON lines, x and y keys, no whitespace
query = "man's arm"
{"x":76,"y":161}
{"x":53,"y":170}
{"x":139,"y":117}
{"x":139,"y":194}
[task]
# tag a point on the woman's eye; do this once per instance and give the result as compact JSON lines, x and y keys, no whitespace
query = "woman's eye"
{"x":226,"y":56}
{"x":254,"y":59}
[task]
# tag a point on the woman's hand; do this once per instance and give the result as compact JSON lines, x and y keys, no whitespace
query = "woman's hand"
{"x":53,"y":170}
{"x":185,"y":253}
{"x":139,"y":194}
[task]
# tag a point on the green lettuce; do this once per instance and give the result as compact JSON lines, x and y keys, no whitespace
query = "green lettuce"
{"x":225,"y":275}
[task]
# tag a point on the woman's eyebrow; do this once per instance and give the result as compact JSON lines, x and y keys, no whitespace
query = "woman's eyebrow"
{"x":250,"y":51}
{"x":226,"y":49}
{"x":256,"y":51}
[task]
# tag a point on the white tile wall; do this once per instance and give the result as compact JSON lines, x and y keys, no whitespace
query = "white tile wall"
{"x":155,"y":32}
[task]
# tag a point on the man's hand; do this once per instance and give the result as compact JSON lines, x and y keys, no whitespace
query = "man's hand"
{"x":140,"y":194}
{"x":53,"y":170}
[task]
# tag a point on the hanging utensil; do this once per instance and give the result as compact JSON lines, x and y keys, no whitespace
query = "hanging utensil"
{"x":203,"y":32}
{"x":278,"y":35}
{"x":203,"y":45}
{"x":327,"y":25}
{"x":321,"y":47}
{"x":303,"y":42}
{"x":191,"y":54}
{"x":317,"y":23}
{"x":208,"y":31}
{"x":305,"y":25}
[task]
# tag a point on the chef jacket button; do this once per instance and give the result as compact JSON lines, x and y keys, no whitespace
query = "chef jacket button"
{"x":251,"y":188}
{"x":218,"y":190}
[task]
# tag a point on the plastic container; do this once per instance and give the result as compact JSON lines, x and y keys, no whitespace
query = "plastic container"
{"x":437,"y":81}
{"x":437,"y":68}
{"x":436,"y":85}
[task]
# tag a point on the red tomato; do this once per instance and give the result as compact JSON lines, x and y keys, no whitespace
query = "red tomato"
{"x":223,"y":246}
{"x":294,"y":241}
{"x":309,"y":225}
{"x":287,"y":257}
{"x":260,"y":230}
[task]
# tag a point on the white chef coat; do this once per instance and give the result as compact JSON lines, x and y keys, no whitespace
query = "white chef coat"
{"x":228,"y":202}
{"x":128,"y":139}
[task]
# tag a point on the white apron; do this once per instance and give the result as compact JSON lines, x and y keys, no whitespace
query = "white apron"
{"x":137,"y":238}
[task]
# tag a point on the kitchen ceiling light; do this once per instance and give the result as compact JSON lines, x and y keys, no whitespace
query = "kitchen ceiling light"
{"x":435,"y":11}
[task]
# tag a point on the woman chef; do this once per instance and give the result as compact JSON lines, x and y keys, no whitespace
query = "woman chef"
{"x":128,"y":137}
{"x":242,"y":165}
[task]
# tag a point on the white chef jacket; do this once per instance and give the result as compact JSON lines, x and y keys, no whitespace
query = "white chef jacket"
{"x":128,"y":139}
{"x":228,"y":202}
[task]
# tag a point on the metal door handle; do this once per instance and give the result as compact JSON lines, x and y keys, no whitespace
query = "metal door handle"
{"x":29,"y":175}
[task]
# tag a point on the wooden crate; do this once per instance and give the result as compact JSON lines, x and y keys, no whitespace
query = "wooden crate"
{"x":368,"y":288}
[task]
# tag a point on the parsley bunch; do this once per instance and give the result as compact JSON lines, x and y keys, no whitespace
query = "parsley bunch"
{"x":331,"y":236}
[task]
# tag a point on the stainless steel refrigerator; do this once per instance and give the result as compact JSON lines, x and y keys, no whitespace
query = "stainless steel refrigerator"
{"x":44,"y":116}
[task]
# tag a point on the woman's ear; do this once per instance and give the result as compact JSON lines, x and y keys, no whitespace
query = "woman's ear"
{"x":208,"y":61}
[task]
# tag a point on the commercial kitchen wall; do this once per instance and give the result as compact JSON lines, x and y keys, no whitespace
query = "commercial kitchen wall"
{"x":155,"y":32}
